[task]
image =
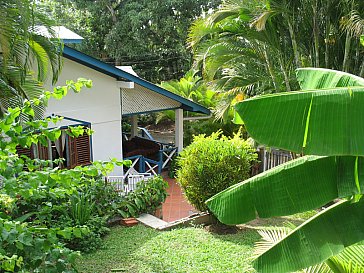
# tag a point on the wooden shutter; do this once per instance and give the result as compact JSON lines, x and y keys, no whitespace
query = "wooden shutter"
{"x":43,"y":152}
{"x":79,"y":150}
{"x":25,"y":151}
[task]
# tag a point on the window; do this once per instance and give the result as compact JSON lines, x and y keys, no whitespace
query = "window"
{"x":76,"y":151}
{"x":79,"y":151}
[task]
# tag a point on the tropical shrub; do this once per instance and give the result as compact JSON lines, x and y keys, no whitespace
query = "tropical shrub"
{"x":212,"y":164}
{"x":64,"y":198}
{"x":146,"y":198}
{"x":92,"y":240}
{"x":323,"y":121}
{"x":44,"y":208}
{"x":25,"y":247}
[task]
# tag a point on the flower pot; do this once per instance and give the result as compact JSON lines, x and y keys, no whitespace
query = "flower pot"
{"x":129,"y":222}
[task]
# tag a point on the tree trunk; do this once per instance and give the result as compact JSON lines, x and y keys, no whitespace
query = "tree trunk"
{"x":347,"y":43}
{"x":347,"y":52}
{"x":356,"y":68}
{"x":316,"y":34}
{"x":327,"y":37}
{"x":361,"y":74}
{"x":296,"y":53}
{"x":270,"y":68}
{"x":114,"y":18}
{"x":286,"y":78}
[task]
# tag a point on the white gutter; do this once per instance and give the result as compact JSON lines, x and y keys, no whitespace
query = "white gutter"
{"x":198,"y":118}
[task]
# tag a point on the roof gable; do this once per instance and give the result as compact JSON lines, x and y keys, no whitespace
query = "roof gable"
{"x":119,"y":74}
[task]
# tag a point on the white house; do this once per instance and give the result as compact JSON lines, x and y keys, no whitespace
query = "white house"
{"x":116,"y":93}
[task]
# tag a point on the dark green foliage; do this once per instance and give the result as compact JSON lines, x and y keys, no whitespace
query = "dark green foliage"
{"x":148,"y":34}
{"x":146,"y":198}
{"x":97,"y":229}
{"x":25,"y":247}
{"x":44,"y":208}
{"x":212,"y":164}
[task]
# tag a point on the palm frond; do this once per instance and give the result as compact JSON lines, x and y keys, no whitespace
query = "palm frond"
{"x":259,"y":23}
{"x":199,"y":30}
{"x":270,"y":236}
{"x":319,"y":268}
{"x":230,"y":8}
{"x":353,"y":23}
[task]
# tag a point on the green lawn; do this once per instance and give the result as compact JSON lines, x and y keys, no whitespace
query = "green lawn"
{"x":141,"y":249}
{"x":185,"y":250}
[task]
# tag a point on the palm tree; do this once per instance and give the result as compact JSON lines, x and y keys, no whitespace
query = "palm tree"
{"x":238,"y":59}
{"x":323,"y":121}
{"x":190,"y":87}
{"x":23,"y":50}
{"x":254,"y":48}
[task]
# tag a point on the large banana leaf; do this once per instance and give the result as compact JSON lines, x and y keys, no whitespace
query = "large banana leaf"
{"x":321,"y":78}
{"x":318,"y":239}
{"x":320,"y":122}
{"x":327,"y":121}
{"x":296,"y":186}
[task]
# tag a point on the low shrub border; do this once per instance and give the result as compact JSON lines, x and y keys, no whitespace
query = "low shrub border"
{"x":146,"y":198}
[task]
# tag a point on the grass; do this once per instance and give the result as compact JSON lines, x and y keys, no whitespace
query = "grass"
{"x":188,"y":250}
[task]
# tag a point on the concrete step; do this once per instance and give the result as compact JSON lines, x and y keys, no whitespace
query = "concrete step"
{"x":152,"y":221}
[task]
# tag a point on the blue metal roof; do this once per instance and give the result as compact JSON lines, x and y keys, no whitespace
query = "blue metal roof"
{"x":119,"y":74}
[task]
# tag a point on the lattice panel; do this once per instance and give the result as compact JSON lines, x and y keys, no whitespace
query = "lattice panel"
{"x":141,"y":100}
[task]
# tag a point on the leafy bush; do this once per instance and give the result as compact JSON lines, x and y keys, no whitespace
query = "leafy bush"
{"x":212,"y":164}
{"x":63,"y":198}
{"x":88,"y":242}
{"x":42,"y":209}
{"x":173,"y":167}
{"x":25,"y":247}
{"x":146,"y":198}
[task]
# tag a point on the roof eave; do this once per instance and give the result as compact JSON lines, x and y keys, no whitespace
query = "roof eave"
{"x":119,"y":74}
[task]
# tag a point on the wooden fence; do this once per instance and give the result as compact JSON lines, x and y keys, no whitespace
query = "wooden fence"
{"x":270,"y":158}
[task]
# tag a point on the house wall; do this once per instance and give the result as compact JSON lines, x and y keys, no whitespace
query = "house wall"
{"x":99,"y":105}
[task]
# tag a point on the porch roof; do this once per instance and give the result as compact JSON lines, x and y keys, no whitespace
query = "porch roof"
{"x":67,"y":122}
{"x":163,"y":99}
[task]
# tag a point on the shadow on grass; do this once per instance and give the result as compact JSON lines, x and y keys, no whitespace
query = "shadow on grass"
{"x":140,"y":249}
{"x":246,"y":234}
{"x":117,"y":251}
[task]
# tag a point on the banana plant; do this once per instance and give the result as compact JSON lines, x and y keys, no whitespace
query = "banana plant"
{"x":324,"y":121}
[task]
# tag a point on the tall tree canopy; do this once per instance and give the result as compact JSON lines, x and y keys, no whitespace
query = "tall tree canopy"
{"x":148,"y":34}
